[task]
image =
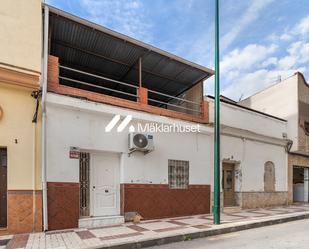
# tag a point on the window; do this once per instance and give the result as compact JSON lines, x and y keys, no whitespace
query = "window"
{"x":229,"y":180}
{"x":307,"y":128}
{"x":269,"y":177}
{"x":178,"y":174}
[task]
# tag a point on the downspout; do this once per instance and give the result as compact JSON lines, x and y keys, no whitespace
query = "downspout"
{"x":44,"y":90}
{"x":34,"y":207}
{"x":288,"y":146}
{"x":36,"y":95}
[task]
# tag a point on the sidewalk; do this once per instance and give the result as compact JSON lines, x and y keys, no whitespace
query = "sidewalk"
{"x":155,"y":232}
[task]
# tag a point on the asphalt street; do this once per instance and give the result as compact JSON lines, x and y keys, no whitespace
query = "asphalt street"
{"x":292,"y":235}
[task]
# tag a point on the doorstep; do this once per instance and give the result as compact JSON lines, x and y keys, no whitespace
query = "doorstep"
{"x":100,"y":221}
{"x":4,"y":231}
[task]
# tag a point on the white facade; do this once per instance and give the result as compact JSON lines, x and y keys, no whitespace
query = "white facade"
{"x":249,"y":120}
{"x":251,"y":157}
{"x":289,"y":99}
{"x":280,"y":100}
{"x":249,"y":139}
{"x":74,"y":122}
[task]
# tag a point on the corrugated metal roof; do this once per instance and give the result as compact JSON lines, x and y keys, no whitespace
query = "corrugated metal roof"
{"x":93,"y":48}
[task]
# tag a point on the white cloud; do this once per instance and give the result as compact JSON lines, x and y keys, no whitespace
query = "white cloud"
{"x":209,"y":86}
{"x":254,"y":67}
{"x":287,"y":62}
{"x":294,"y":47}
{"x":246,"y":58}
{"x":121,"y":15}
{"x":304,"y":53}
{"x":286,"y":37}
{"x":298,"y":54}
{"x":260,"y":71}
{"x":255,"y":81}
{"x":251,"y":14}
{"x":270,"y":62}
{"x":303,"y":26}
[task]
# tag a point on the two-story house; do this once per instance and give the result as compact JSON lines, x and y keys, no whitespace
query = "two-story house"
{"x":100,"y":86}
{"x":289,"y":99}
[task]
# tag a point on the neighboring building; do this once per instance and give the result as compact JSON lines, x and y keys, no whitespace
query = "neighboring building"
{"x":92,"y":178}
{"x":20,"y":67}
{"x":254,"y":158}
{"x":289,"y":99}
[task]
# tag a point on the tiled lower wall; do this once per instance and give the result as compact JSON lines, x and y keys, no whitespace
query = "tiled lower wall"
{"x":158,"y":200}
{"x":24,"y":211}
{"x":150,"y":200}
{"x":63,"y":205}
{"x":249,"y":200}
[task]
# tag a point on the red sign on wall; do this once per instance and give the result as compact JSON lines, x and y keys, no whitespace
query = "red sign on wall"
{"x":74,"y":152}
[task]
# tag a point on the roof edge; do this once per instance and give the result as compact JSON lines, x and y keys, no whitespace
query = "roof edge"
{"x":277,"y":83}
{"x":247,"y":108}
{"x":304,"y":79}
{"x":127,"y":39}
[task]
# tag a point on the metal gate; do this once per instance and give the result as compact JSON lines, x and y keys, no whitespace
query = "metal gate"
{"x":84,"y":178}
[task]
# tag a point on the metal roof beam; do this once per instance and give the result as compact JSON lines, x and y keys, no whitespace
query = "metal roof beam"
{"x":128,"y":39}
{"x":134,"y":64}
{"x":65,"y":44}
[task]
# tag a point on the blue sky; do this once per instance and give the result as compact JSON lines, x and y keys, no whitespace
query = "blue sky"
{"x":261,"y":40}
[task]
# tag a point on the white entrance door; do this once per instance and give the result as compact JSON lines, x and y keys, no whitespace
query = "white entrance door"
{"x":105,"y":184}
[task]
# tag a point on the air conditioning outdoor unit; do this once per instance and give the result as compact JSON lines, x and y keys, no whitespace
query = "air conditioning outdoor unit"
{"x":140,"y":142}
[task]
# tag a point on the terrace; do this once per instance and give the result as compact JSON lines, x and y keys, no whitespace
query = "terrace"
{"x":89,"y":61}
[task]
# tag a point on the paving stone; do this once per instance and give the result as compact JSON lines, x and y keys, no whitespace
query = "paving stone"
{"x":154,"y":232}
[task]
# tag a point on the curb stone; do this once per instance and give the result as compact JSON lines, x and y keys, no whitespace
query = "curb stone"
{"x":203,"y":234}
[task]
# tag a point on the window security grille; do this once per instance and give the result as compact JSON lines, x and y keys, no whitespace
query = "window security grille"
{"x":178,"y":174}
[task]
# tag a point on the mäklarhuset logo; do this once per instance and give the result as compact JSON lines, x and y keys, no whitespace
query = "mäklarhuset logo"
{"x":150,"y":127}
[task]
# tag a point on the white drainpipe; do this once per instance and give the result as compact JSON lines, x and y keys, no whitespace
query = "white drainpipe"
{"x":44,"y":90}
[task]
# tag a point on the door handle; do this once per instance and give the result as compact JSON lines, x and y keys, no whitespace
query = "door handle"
{"x":106,"y":190}
{"x":93,"y":187}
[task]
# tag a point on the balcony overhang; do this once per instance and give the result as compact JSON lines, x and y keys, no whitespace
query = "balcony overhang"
{"x":93,"y":48}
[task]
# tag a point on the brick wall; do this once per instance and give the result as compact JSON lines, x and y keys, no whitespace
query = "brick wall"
{"x":63,"y":205}
{"x":54,"y":86}
{"x":159,"y":201}
{"x":24,"y":211}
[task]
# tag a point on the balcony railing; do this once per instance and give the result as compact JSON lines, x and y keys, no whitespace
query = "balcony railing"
{"x":100,"y":83}
{"x":176,"y":103}
{"x":67,"y":80}
{"x":104,"y":79}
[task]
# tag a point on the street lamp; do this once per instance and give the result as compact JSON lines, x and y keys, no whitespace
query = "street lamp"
{"x":216,"y":206}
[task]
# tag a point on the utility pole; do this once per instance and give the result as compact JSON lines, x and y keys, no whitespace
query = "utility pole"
{"x":216,"y":206}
